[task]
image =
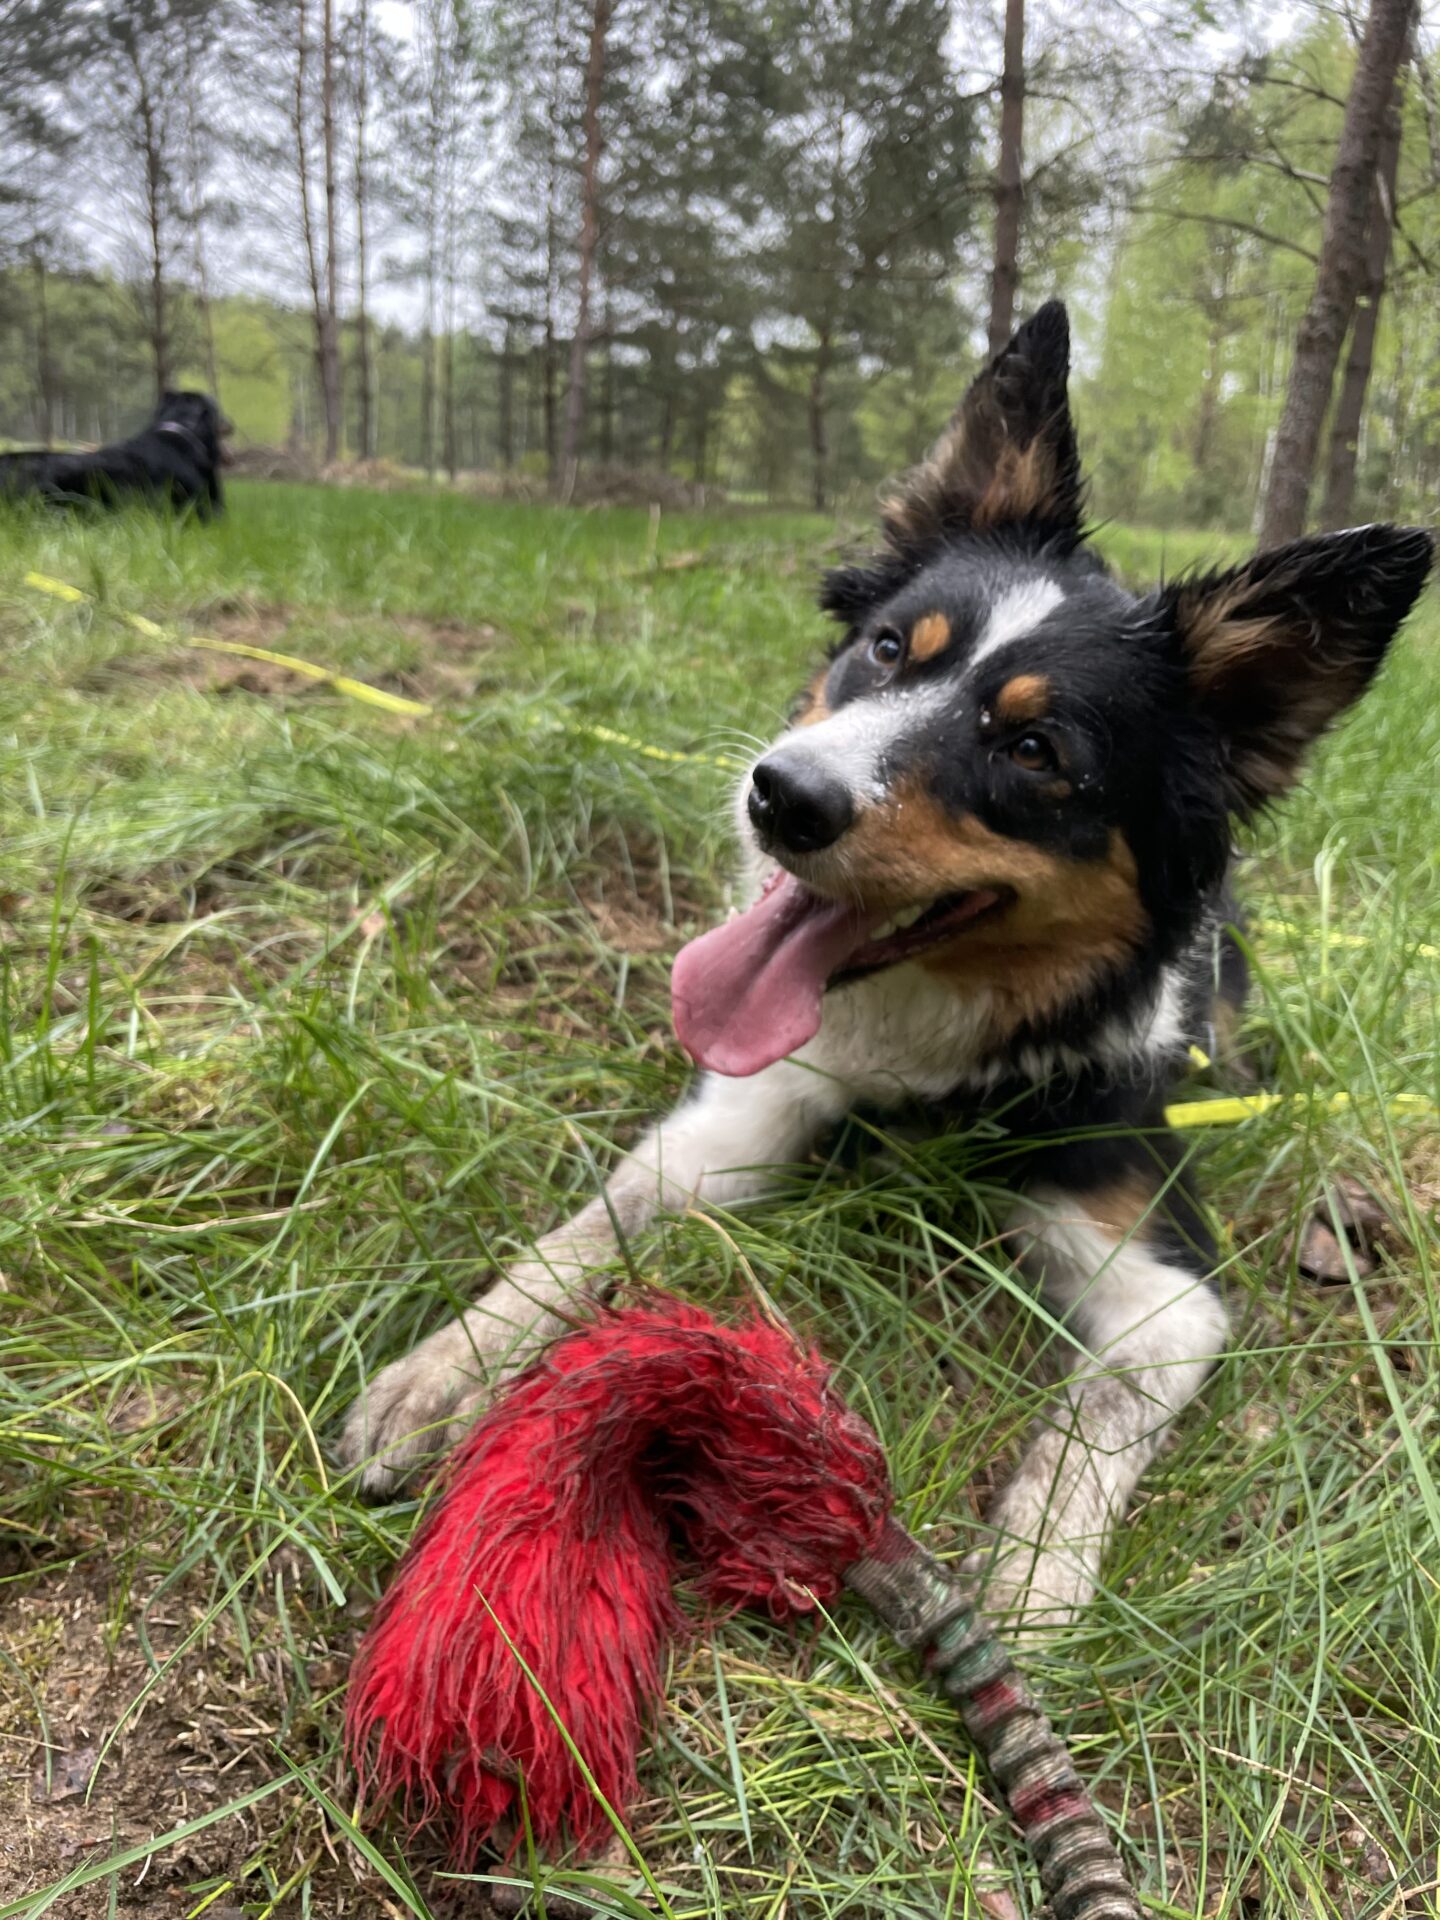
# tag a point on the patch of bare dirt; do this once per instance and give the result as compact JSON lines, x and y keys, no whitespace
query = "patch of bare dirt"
{"x":73,"y":1790}
{"x":381,"y":476}
{"x":269,"y":463}
{"x":633,"y":926}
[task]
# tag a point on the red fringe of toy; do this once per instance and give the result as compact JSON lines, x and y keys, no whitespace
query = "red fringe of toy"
{"x":553,"y":1547}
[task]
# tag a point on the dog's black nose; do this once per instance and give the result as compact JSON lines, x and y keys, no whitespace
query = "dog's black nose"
{"x":797,"y":805}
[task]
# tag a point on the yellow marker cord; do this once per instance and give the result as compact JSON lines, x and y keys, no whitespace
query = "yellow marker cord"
{"x":378,"y":696}
{"x":1229,"y":1112}
{"x":1184,"y":1114}
{"x":342,"y":683}
{"x":1332,"y":937}
{"x":57,"y":589}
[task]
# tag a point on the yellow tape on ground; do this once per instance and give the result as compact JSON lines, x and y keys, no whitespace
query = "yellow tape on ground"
{"x":1230,"y":1112}
{"x":1333,"y":937}
{"x":379,"y":696}
{"x":611,"y":738}
{"x":60,"y":589}
{"x":342,"y":683}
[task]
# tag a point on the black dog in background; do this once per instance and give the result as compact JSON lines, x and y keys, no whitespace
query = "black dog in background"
{"x":174,"y":461}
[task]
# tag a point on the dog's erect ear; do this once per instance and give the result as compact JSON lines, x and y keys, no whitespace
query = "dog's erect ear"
{"x":1008,"y":458}
{"x":1279,"y":647}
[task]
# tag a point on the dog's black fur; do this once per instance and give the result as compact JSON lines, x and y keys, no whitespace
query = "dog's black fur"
{"x":174,"y":461}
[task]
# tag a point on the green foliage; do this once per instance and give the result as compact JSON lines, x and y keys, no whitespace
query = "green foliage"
{"x":791,"y":266}
{"x":258,"y":356}
{"x":1205,"y":293}
{"x":1207,"y":286}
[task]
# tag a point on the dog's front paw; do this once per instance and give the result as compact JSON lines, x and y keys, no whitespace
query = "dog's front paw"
{"x":412,"y":1412}
{"x":417,"y":1408}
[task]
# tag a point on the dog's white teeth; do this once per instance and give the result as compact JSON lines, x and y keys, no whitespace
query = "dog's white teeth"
{"x":898,"y":923}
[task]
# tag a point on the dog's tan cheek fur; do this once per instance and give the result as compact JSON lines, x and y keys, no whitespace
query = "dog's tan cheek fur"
{"x":1071,"y":920}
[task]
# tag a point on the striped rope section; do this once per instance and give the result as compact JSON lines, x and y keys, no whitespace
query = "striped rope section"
{"x":933,"y":1614}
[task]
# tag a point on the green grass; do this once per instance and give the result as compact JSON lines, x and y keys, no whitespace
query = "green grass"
{"x":310,"y":1017}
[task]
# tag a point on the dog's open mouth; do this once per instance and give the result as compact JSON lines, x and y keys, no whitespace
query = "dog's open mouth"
{"x":748,"y":993}
{"x":917,"y":928}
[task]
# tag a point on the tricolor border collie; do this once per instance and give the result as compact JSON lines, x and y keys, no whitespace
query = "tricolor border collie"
{"x":987,"y":866}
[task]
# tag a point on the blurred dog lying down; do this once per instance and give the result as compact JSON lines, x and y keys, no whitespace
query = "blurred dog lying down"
{"x":174,"y":461}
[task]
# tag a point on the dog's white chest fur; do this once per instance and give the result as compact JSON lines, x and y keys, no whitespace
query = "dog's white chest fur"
{"x":901,"y":1034}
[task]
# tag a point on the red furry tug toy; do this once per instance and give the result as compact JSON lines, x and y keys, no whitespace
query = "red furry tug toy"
{"x":652,"y":1438}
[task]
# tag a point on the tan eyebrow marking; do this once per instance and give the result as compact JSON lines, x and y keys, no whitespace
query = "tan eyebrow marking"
{"x":1024,"y":698}
{"x":929,"y":635}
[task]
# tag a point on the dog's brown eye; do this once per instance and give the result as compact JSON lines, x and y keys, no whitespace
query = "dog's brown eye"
{"x":1034,"y":753}
{"x":887,"y":647}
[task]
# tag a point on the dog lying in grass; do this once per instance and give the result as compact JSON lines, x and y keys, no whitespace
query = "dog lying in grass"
{"x":174,"y":461}
{"x":987,"y":870}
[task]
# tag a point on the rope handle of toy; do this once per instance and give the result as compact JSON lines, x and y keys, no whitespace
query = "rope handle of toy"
{"x":932,"y":1613}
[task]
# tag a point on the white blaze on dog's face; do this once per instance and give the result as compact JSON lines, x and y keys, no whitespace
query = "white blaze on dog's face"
{"x":1013,"y":772}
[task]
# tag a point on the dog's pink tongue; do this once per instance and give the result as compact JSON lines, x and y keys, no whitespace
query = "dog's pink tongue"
{"x":749,"y":992}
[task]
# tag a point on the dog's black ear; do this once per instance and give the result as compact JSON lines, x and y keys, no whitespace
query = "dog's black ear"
{"x":1008,"y":458}
{"x":1279,"y":647}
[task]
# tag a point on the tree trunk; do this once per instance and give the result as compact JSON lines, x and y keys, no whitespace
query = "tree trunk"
{"x":549,"y":369}
{"x":607,"y":389}
{"x":302,"y":175}
{"x":1208,"y":415}
{"x":44,"y":363}
{"x":449,"y":427}
{"x":329,"y":331}
{"x":507,"y":399}
{"x":195,"y":172}
{"x":819,"y":440}
{"x":548,"y":381}
{"x":153,"y":137}
{"x":665,"y":365}
{"x":1339,"y":505}
{"x":1402,"y":401}
{"x":589,"y":232}
{"x":362,"y":183}
{"x":1009,"y":180}
{"x":429,"y":383}
{"x":1339,"y":273}
{"x":1215,"y":305}
{"x":451,"y":245}
{"x":702,"y":445}
{"x":427,"y":401}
